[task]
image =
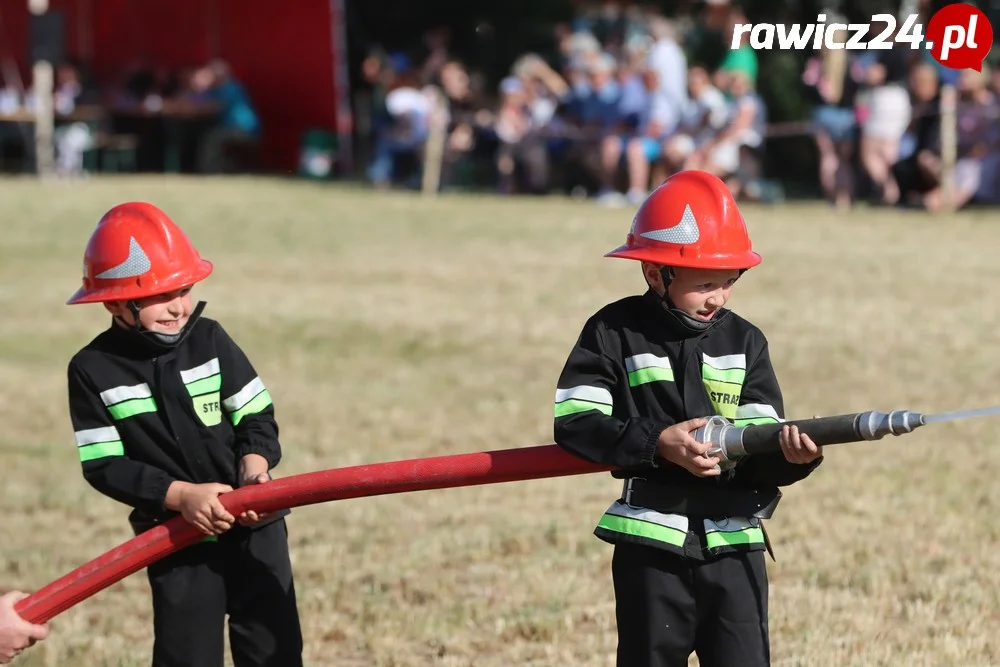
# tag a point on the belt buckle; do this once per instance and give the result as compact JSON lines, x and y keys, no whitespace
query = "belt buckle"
{"x":627,"y":495}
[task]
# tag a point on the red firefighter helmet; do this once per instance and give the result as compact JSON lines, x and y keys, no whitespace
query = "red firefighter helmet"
{"x":135,"y":252}
{"x":691,"y":220}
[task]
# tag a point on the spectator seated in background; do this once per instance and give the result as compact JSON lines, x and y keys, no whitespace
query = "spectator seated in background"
{"x":638,"y":135}
{"x":704,"y":118}
{"x":467,"y":121}
{"x":744,"y":129}
{"x":231,"y":145}
{"x":73,"y":88}
{"x":404,"y":138}
{"x":522,"y":149}
{"x":833,"y":80}
{"x":978,"y":134}
{"x":742,"y":59}
{"x":887,"y":117}
{"x":920,"y":135}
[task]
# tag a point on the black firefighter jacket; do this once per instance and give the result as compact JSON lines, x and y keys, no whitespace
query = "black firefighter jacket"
{"x":145,"y":416}
{"x":633,"y":372}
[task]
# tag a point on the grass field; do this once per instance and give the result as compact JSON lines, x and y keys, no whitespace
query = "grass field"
{"x":390,"y":327}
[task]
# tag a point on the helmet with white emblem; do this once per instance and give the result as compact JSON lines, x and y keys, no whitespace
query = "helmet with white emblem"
{"x":691,"y":220}
{"x":137,"y":251}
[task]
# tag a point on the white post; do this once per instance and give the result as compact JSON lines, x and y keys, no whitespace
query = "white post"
{"x":949,"y":146}
{"x":43,"y":85}
{"x":434,"y":146}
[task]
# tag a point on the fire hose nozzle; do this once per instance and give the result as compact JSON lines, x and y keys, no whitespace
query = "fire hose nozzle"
{"x":730,"y":442}
{"x":873,"y":425}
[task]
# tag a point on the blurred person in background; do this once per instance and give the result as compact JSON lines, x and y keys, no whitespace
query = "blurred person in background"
{"x":834,"y":78}
{"x":920,"y":135}
{"x":231,"y":144}
{"x":887,"y":116}
{"x":745,"y":128}
{"x":400,"y":142}
{"x":73,"y":88}
{"x":634,"y":81}
{"x":978,"y":142}
{"x":468,"y":121}
{"x":667,"y":61}
{"x":742,"y":59}
{"x":522,"y":150}
{"x":706,"y":115}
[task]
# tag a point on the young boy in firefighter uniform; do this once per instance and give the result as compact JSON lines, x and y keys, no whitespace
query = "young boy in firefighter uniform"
{"x":688,"y":564}
{"x":169,"y":414}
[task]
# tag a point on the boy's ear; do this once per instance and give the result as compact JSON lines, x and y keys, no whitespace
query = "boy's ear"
{"x":113,"y":307}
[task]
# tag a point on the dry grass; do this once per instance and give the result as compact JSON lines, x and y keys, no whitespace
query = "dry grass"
{"x":390,"y":327}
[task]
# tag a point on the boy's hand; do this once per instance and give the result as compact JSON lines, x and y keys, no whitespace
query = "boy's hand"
{"x":253,"y":470}
{"x":200,"y":506}
{"x":678,"y":446}
{"x":798,"y":447}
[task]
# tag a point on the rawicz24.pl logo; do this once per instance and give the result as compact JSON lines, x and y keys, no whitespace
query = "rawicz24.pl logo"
{"x":959,"y":36}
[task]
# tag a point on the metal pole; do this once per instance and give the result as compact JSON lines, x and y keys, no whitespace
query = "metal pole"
{"x":341,"y":85}
{"x":43,"y":85}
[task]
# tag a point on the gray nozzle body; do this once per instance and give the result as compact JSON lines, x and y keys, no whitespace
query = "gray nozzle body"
{"x":731,"y":442}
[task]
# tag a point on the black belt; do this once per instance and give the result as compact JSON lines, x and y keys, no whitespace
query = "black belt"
{"x":701,"y":502}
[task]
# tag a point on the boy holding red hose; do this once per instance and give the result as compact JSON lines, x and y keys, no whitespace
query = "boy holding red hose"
{"x":688,"y":564}
{"x":169,"y":414}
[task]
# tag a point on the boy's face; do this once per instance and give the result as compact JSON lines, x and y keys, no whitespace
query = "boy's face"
{"x":164,"y":313}
{"x":698,"y":292}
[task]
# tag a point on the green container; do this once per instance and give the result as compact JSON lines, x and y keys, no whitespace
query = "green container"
{"x":317,"y":153}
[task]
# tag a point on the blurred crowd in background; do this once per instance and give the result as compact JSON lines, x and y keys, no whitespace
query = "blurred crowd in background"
{"x":624,"y":100}
{"x":199,"y":119}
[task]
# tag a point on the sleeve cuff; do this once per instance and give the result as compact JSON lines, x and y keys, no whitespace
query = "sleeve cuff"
{"x":271,"y":453}
{"x":649,"y":447}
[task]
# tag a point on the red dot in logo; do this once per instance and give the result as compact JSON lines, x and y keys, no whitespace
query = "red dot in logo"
{"x":961,"y":36}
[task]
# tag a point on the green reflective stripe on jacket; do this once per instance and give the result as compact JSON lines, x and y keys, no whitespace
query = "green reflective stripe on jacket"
{"x":573,"y":406}
{"x":98,"y":443}
{"x":625,"y":519}
{"x":205,"y":386}
{"x":652,"y":531}
{"x":132,"y":408}
{"x":751,"y":535}
{"x":582,"y":398}
{"x":203,"y":379}
{"x":644,"y":368}
{"x":675,"y":532}
{"x":249,"y":400}
{"x":101,"y":450}
{"x":756,"y":413}
{"x":127,"y":401}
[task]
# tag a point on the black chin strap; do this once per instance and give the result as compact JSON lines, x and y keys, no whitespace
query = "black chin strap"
{"x":683,"y":320}
{"x":155,"y":338}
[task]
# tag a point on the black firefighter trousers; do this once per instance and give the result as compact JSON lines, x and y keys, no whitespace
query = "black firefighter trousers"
{"x":668,"y":606}
{"x":246,"y":574}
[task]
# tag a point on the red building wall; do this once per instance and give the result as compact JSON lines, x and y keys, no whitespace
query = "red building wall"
{"x":281,"y":51}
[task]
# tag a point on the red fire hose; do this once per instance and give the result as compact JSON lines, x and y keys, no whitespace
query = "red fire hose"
{"x":440,"y":472}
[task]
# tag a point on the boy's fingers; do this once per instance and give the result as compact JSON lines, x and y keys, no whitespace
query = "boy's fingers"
{"x":220,"y":512}
{"x":695,"y":447}
{"x":693,"y":424}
